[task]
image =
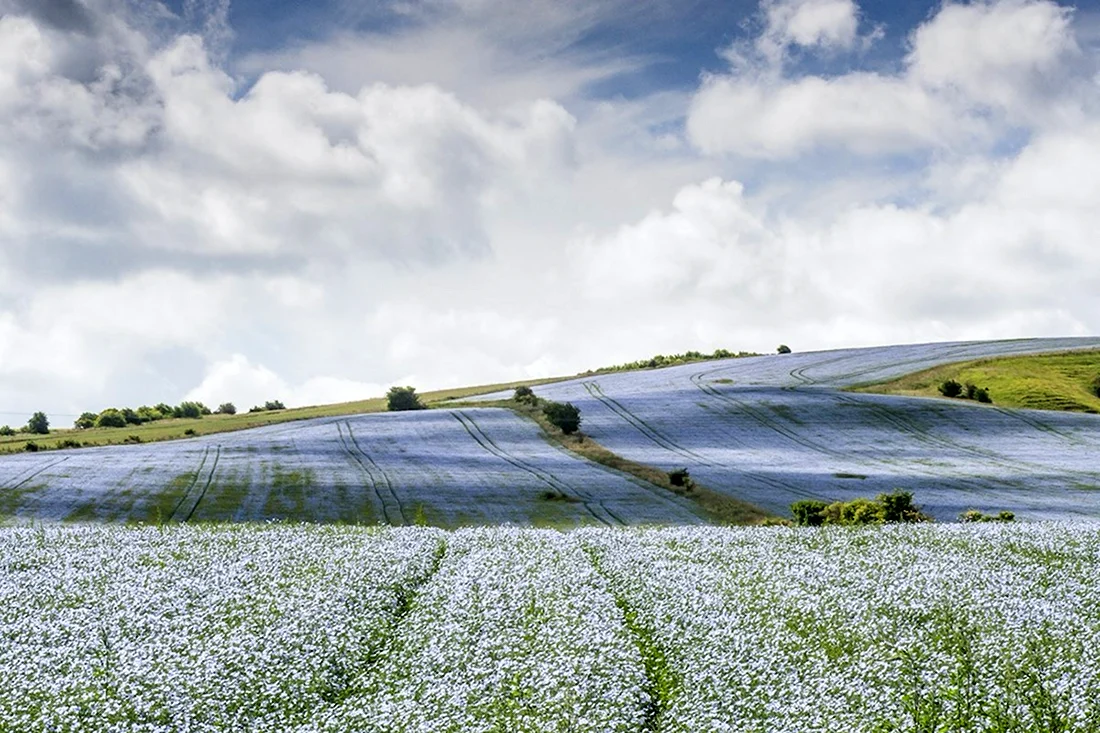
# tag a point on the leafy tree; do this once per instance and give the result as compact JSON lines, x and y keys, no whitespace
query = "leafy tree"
{"x":6,"y":430}
{"x":188,"y":409}
{"x":227,"y":408}
{"x":973,"y":515}
{"x":130,"y":416}
{"x":165,"y":409}
{"x":565,"y":416}
{"x":110,"y":418}
{"x":403,"y":398}
{"x":149,"y":414}
{"x":274,"y":405}
{"x":525,"y":395}
{"x":39,"y":424}
{"x":85,"y":421}
{"x":950,"y":388}
{"x":809,"y":512}
{"x":783,"y":349}
{"x":31,"y":447}
{"x":257,"y":408}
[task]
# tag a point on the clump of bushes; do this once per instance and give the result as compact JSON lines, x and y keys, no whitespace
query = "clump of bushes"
{"x":69,"y":443}
{"x":968,"y":391}
{"x":403,"y":398}
{"x":663,"y":360}
{"x":564,"y":416}
{"x":120,"y":417}
{"x":31,"y":447}
{"x":7,"y":430}
{"x":783,"y":349}
{"x":973,"y":515}
{"x":226,"y":408}
{"x":525,"y":395}
{"x":681,"y":480}
{"x":894,"y":508}
{"x":265,"y":407}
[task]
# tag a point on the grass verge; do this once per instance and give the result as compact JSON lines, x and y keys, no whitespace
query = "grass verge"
{"x":1040,"y":382}
{"x":718,"y":507}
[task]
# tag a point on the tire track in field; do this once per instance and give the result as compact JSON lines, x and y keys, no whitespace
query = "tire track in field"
{"x":663,"y":441}
{"x":963,"y":484}
{"x":594,"y":389}
{"x":24,"y":477}
{"x":185,"y":507}
{"x":392,"y":511}
{"x":545,"y":477}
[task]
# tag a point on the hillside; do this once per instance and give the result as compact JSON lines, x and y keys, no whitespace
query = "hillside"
{"x":753,"y":432}
{"x":1038,"y":382}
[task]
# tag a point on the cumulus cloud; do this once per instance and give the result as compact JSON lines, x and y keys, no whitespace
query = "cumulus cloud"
{"x":825,"y":24}
{"x":973,"y":72}
{"x":245,"y":384}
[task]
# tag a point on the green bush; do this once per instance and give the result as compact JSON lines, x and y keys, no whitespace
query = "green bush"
{"x":950,"y":388}
{"x":403,"y":398}
{"x":525,"y":395}
{"x":856,"y":511}
{"x":274,"y":405}
{"x":149,"y":414}
{"x":85,"y":421}
{"x":1094,"y":386}
{"x":564,"y":416}
{"x":31,"y":447}
{"x":130,"y":416}
{"x":190,"y":410}
{"x":783,"y":349}
{"x":973,"y":515}
{"x":7,"y":430}
{"x":39,"y":424}
{"x":69,"y":443}
{"x":110,"y":418}
{"x":680,"y":477}
{"x":809,"y":512}
{"x":227,"y":408}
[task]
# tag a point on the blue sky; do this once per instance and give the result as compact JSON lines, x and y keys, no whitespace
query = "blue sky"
{"x":241,"y":200}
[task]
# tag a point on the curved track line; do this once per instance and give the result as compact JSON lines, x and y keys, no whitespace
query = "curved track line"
{"x":381,"y":472}
{"x":547,"y":478}
{"x":24,"y":477}
{"x":357,"y":455}
{"x":663,"y":441}
{"x":190,"y":486}
{"x":206,"y":486}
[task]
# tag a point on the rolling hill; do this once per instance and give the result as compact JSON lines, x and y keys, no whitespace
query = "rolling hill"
{"x":767,"y":430}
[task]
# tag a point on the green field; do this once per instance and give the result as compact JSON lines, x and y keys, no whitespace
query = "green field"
{"x":1038,"y":382}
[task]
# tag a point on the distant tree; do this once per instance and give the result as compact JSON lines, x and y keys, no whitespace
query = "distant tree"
{"x":973,"y":515}
{"x":680,"y":477}
{"x":165,"y":409}
{"x":149,"y":414}
{"x":6,"y":430}
{"x":809,"y":512}
{"x":85,"y":421}
{"x":256,"y":408}
{"x":565,"y":416}
{"x":110,"y":418}
{"x":525,"y":395}
{"x":950,"y":388}
{"x":981,"y":394}
{"x":130,"y":416}
{"x":783,"y":349}
{"x":403,"y":398}
{"x":227,"y":408}
{"x":188,"y":409}
{"x":204,"y":410}
{"x":274,"y":405}
{"x":39,"y":424}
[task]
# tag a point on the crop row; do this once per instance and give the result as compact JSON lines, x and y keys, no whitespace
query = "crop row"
{"x":301,"y":628}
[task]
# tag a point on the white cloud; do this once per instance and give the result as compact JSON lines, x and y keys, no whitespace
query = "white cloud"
{"x":826,"y":24}
{"x":244,"y":384}
{"x":974,"y":72}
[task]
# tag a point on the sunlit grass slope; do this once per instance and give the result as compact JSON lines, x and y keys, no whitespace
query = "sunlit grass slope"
{"x":175,"y":428}
{"x":1040,"y":382}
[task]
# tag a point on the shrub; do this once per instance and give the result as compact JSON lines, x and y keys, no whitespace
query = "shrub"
{"x":227,"y":408}
{"x":85,"y":421}
{"x":982,"y":395}
{"x":809,"y":512}
{"x":149,"y":414}
{"x":564,"y":416}
{"x":950,"y":388}
{"x":31,"y":447}
{"x":973,"y":515}
{"x":679,"y":477}
{"x":783,"y":349}
{"x":1094,"y":386}
{"x":39,"y":424}
{"x":525,"y":395}
{"x":189,"y":409}
{"x":165,"y":409}
{"x":274,"y":405}
{"x":132,"y":439}
{"x":6,"y":430}
{"x":189,"y":431}
{"x":131,"y":417}
{"x":403,"y":398}
{"x":899,"y":507}
{"x":856,"y":511}
{"x":110,"y":418}
{"x":69,"y":443}
{"x":257,"y":408}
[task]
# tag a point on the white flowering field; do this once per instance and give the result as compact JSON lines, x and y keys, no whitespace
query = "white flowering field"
{"x":775,"y":429}
{"x":323,"y":628}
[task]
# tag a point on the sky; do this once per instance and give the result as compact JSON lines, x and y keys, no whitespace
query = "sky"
{"x":237,"y":200}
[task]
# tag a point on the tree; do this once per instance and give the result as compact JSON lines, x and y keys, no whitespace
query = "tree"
{"x":188,"y":409}
{"x":525,"y":395}
{"x":227,"y":408}
{"x":403,"y":398}
{"x":110,"y":418}
{"x":274,"y":405}
{"x":39,"y":424}
{"x":85,"y":421}
{"x":565,"y":416}
{"x":950,"y":388}
{"x":7,"y":430}
{"x":783,"y":349}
